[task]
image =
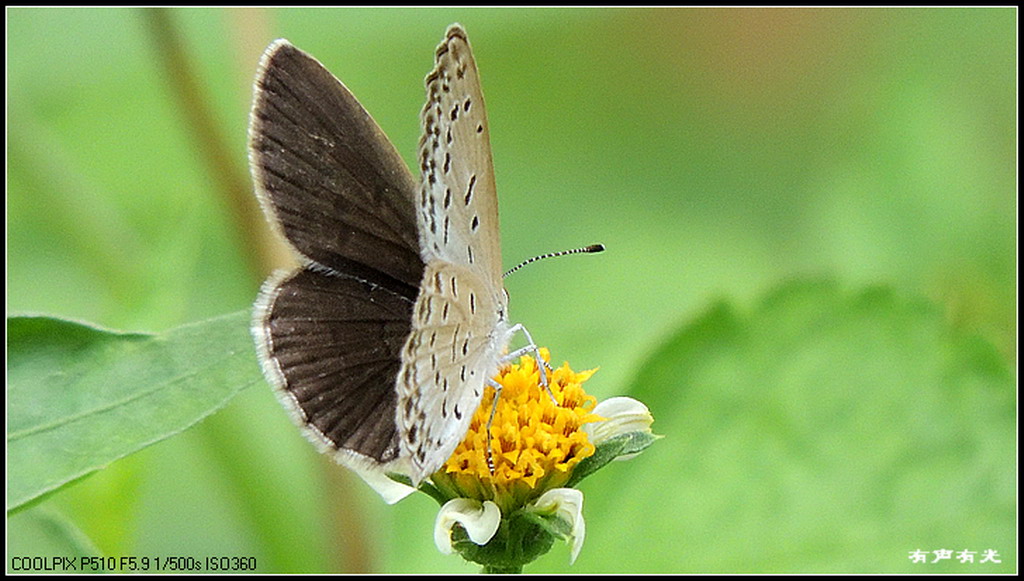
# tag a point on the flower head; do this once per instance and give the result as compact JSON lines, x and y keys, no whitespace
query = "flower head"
{"x":533,"y":443}
{"x":506,"y":490}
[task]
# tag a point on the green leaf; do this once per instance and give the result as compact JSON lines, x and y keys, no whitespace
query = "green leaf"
{"x":621,"y":445}
{"x":80,"y":397}
{"x":820,"y":430}
{"x":551,"y":522}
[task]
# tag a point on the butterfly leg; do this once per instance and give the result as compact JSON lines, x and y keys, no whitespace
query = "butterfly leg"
{"x":542,"y":365}
{"x":494,"y":407}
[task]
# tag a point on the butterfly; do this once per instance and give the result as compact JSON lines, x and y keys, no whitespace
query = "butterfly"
{"x":381,"y":342}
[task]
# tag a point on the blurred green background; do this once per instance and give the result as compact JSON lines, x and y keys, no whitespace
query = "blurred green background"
{"x":717,"y":153}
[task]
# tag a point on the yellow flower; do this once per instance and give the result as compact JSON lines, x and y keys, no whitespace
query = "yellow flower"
{"x":534,"y":443}
{"x":507,"y":492}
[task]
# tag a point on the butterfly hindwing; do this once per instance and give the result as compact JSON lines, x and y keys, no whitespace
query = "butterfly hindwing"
{"x":331,"y":344}
{"x":454,"y":347}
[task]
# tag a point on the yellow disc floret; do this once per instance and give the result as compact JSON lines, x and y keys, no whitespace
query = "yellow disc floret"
{"x":534,"y":443}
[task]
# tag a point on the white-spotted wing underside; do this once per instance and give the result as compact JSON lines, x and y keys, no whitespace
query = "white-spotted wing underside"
{"x":458,"y":324}
{"x":381,"y":342}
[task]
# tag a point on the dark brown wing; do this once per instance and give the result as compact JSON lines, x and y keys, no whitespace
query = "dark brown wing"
{"x":327,"y":174}
{"x":330,"y":344}
{"x":329,"y":334}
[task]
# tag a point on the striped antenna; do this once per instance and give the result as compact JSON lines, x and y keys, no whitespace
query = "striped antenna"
{"x":593,"y":248}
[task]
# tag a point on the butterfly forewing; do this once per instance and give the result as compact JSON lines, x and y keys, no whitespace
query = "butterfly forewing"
{"x":458,"y":205}
{"x":327,"y":173}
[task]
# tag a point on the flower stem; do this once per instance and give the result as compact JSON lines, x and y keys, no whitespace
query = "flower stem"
{"x":502,"y":570}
